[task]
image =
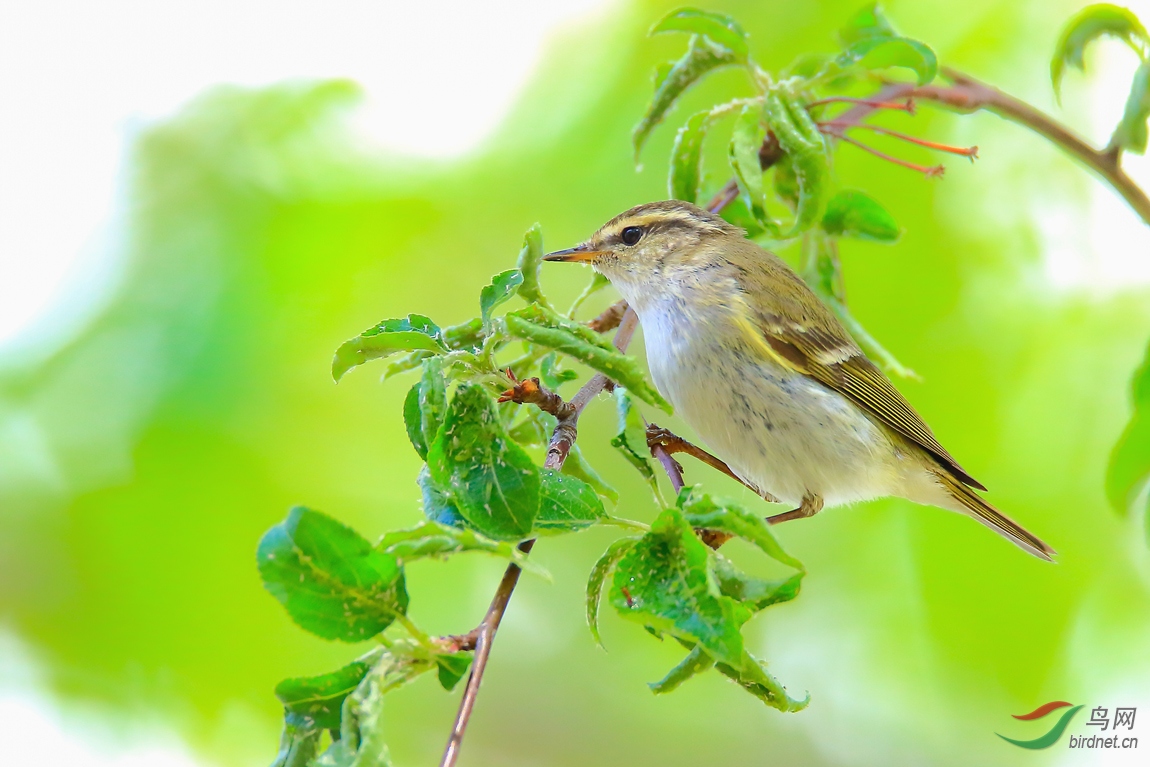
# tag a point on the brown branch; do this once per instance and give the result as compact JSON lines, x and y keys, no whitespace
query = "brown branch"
{"x":484,"y":634}
{"x":610,"y":317}
{"x":530,"y":392}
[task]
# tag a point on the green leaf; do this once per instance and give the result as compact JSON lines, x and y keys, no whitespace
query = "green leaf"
{"x":431,"y":539}
{"x":661,"y":72}
{"x":631,"y":437}
{"x":868,"y":22}
{"x":598,"y":578}
{"x":577,"y":466}
{"x":696,"y":662}
{"x":553,"y":377}
{"x":388,"y":337}
{"x":330,"y":579}
{"x":880,"y":52}
{"x":1089,"y":24}
{"x":738,"y":212}
{"x":852,"y":213}
{"x":566,"y":504}
{"x":530,"y":259}
{"x":432,"y":399}
{"x":754,"y":678}
{"x":466,"y":336}
{"x":438,"y":506}
{"x":1131,"y":133}
{"x":406,"y":362}
{"x":321,"y":697}
{"x":701,"y":511}
{"x":299,"y":741}
{"x":701,"y":58}
{"x":716,"y":27}
{"x":746,"y":139}
{"x":755,"y":593}
{"x":687,"y":156}
{"x":492,"y":481}
{"x":1129,"y":468}
{"x":664,"y":582}
{"x":503,"y":286}
{"x":412,"y":421}
{"x":452,"y":667}
{"x":546,"y":328}
{"x":806,"y":151}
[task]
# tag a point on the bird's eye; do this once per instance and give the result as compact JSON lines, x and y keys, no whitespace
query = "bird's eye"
{"x":631,"y":235}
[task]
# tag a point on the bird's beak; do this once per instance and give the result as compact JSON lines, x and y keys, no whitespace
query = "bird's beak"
{"x":582,"y":254}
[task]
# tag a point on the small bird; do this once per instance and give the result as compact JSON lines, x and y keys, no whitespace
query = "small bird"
{"x":766,"y":374}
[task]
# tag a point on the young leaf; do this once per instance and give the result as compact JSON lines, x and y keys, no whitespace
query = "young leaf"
{"x":566,"y":504}
{"x":752,"y":677}
{"x":299,"y":741}
{"x":502,"y":287}
{"x":1129,"y":468}
{"x":430,"y":539}
{"x":386,"y":338}
{"x":746,"y":138}
{"x":577,"y":466}
{"x":598,"y":578}
{"x":852,"y":213}
{"x":1091,"y":23}
{"x":880,"y":52}
{"x":321,"y":697}
{"x":738,"y":212}
{"x":805,"y":148}
{"x":406,"y":362}
{"x":686,"y":158}
{"x":412,"y":421}
{"x":466,"y":336}
{"x":438,"y":506}
{"x":716,"y":27}
{"x":701,"y":511}
{"x":330,"y":579}
{"x":452,"y":667}
{"x":701,"y":58}
{"x":492,"y":481}
{"x":631,"y":438}
{"x":553,"y":377}
{"x":755,"y":593}
{"x":696,"y":662}
{"x":530,"y":258}
{"x":869,"y":22}
{"x":664,"y":583}
{"x":432,"y":399}
{"x":1130,"y":135}
{"x":546,"y":328}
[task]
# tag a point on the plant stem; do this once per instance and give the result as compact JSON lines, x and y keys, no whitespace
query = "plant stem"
{"x":561,"y":442}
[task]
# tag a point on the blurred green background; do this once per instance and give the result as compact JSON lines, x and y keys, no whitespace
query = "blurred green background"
{"x":141,"y":460}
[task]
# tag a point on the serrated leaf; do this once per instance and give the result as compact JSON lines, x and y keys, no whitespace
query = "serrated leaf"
{"x":746,"y":139}
{"x":566,"y":504}
{"x":546,"y":328}
{"x":577,"y":466}
{"x":851,"y":213}
{"x":868,"y":22}
{"x":438,"y":506}
{"x":704,"y":512}
{"x":1129,"y":467}
{"x":414,"y":332}
{"x":598,"y":578}
{"x":702,"y":57}
{"x":880,"y":52}
{"x":503,"y":286}
{"x":1131,"y":133}
{"x":631,"y":435}
{"x":755,"y":679}
{"x":431,"y":539}
{"x":530,"y":259}
{"x":492,"y":482}
{"x":716,"y":27}
{"x":321,"y":697}
{"x":755,"y":593}
{"x":452,"y":667}
{"x":687,"y":157}
{"x":330,"y":579}
{"x":663,"y":581}
{"x":1089,"y":24}
{"x":695,"y":663}
{"x":806,"y":154}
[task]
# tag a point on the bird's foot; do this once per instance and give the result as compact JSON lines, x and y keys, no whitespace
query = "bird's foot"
{"x":672,"y":443}
{"x":811,"y":505}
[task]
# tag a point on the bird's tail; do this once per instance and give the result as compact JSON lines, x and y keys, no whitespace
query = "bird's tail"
{"x":971,"y":504}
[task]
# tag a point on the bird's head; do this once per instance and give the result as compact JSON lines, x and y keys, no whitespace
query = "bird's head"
{"x":638,"y":249}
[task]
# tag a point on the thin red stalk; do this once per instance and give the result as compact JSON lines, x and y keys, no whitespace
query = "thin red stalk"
{"x":836,"y":129}
{"x":932,"y":172}
{"x":907,"y":106}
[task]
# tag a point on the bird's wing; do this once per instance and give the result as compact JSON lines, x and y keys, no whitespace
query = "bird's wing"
{"x":820,"y":347}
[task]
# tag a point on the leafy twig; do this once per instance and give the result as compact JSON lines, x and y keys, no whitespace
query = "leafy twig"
{"x":484,"y":634}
